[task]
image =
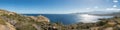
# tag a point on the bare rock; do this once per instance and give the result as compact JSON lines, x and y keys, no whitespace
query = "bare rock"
{"x":5,"y":25}
{"x":42,"y":19}
{"x":109,"y":28}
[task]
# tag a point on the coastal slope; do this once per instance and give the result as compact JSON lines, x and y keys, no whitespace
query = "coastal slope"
{"x":13,"y":21}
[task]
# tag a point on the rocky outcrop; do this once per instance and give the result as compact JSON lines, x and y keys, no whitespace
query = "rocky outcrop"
{"x":40,"y":18}
{"x":14,"y":21}
{"x":10,"y":27}
{"x":5,"y":25}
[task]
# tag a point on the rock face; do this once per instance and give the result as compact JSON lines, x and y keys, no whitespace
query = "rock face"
{"x":5,"y":25}
{"x":40,"y":19}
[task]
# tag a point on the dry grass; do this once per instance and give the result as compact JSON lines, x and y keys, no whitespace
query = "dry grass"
{"x":2,"y":22}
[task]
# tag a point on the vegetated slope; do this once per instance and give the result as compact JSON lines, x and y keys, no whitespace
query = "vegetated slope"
{"x":14,"y":21}
{"x":21,"y":22}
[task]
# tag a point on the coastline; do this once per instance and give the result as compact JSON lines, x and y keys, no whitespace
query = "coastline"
{"x":21,"y":22}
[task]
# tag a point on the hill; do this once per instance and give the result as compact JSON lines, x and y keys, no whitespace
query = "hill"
{"x":14,"y":21}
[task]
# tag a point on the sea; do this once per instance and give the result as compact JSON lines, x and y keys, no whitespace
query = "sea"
{"x":67,"y":19}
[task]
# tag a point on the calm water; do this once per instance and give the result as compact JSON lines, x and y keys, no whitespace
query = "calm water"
{"x":71,"y":18}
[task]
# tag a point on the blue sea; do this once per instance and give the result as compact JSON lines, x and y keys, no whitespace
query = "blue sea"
{"x":71,"y":18}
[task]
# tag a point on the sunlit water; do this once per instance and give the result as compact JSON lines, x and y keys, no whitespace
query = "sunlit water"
{"x":71,"y":18}
{"x":86,"y":18}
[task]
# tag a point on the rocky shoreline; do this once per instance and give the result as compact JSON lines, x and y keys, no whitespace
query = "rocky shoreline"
{"x":14,"y":21}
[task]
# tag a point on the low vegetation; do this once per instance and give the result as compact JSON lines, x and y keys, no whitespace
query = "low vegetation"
{"x":21,"y":22}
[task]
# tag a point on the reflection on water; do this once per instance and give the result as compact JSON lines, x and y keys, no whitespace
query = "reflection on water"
{"x":71,"y":18}
{"x":86,"y":18}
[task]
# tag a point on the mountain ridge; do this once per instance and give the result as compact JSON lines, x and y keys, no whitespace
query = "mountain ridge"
{"x":100,"y":13}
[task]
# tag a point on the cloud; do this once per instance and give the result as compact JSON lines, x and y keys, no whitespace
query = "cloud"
{"x":114,"y":6}
{"x":115,"y":1}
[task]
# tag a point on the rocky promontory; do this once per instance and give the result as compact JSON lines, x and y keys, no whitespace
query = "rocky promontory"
{"x":14,"y":21}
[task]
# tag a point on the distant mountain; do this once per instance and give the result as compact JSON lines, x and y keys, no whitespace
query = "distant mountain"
{"x":101,"y":13}
{"x":115,"y":13}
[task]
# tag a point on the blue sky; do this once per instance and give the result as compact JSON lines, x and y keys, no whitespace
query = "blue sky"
{"x":59,"y":6}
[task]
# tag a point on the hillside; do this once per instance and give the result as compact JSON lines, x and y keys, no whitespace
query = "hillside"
{"x":21,"y":22}
{"x":14,"y":21}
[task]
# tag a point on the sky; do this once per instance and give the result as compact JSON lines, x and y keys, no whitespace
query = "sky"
{"x":59,"y":6}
